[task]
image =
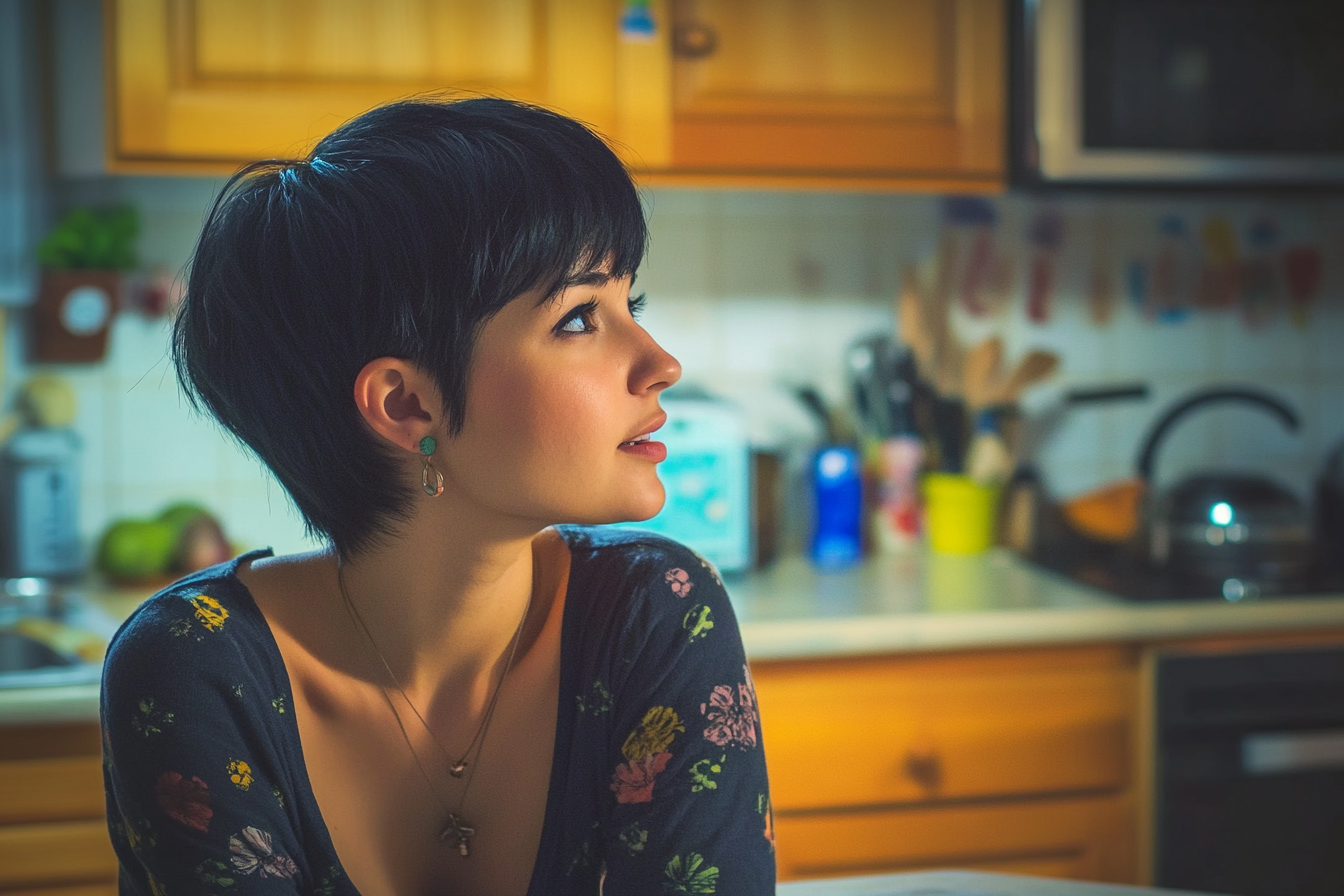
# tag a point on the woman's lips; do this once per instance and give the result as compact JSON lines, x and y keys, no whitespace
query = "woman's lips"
{"x":647,"y":449}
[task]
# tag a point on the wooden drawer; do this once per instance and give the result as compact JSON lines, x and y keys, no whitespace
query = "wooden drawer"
{"x":902,"y":730}
{"x":1083,"y":838}
{"x":66,"y":852}
{"x":51,"y":789}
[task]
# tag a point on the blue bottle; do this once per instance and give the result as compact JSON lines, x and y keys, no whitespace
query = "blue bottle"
{"x":837,"y":491}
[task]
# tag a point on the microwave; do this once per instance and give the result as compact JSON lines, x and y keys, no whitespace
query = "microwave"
{"x":1170,"y":93}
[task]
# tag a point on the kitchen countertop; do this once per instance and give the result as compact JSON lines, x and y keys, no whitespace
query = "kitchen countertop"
{"x":963,"y":883}
{"x":900,"y":603}
{"x":922,"y":601}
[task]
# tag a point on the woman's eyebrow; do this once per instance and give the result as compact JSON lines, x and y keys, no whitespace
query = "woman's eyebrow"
{"x":585,"y":278}
{"x":588,"y":278}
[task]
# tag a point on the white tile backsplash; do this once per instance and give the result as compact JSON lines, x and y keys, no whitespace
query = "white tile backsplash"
{"x":757,"y":292}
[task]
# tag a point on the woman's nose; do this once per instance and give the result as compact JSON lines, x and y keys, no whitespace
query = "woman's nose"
{"x":657,"y":369}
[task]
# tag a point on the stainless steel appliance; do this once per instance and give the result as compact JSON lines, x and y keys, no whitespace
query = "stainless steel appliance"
{"x":39,"y":493}
{"x":1240,"y":532}
{"x":1195,"y":92}
{"x":1250,"y":773}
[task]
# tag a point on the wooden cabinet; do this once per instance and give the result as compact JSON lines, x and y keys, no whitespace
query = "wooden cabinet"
{"x":890,"y":91}
{"x":1009,"y":761}
{"x":885,"y":93}
{"x":208,"y":84}
{"x":53,"y":832}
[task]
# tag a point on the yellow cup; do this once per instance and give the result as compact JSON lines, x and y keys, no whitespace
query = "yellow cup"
{"x":960,"y":513}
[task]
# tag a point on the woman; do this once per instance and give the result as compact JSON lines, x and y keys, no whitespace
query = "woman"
{"x":425,"y":331}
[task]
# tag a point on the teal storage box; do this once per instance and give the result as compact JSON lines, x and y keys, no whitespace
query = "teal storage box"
{"x":707,"y":476}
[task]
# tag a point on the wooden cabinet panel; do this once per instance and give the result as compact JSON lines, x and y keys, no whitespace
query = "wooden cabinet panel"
{"x":848,"y":88}
{"x":839,"y":58}
{"x":1089,"y":839}
{"x":108,"y":889}
{"x":891,"y":731}
{"x":65,"y":852}
{"x":217,"y":81}
{"x":51,"y":789}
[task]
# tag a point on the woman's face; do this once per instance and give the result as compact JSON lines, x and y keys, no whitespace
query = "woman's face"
{"x":557,"y":390}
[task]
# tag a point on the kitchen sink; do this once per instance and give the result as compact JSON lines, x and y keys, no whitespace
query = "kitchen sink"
{"x":20,"y":653}
{"x":26,"y":662}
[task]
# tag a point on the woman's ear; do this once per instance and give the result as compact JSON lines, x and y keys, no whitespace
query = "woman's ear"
{"x":399,"y":401}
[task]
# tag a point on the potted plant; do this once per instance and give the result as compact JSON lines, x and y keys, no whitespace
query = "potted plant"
{"x":82,"y":259}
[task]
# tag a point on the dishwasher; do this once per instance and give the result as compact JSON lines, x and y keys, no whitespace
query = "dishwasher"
{"x":1250,"y":772}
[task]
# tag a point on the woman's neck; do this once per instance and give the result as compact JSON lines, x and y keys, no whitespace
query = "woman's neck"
{"x":439,"y":604}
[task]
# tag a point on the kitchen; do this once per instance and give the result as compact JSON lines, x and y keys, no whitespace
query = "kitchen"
{"x":1019,"y":708}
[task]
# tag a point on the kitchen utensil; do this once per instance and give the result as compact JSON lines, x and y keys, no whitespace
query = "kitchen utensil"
{"x":1035,"y":367}
{"x":989,"y":462}
{"x":1259,"y":273}
{"x":1302,"y":274}
{"x":1101,"y":274}
{"x":1220,"y":275}
{"x":1175,"y":272}
{"x":972,"y":219}
{"x":862,"y":361}
{"x":1045,"y":233}
{"x":984,"y":364}
{"x":912,"y":323}
{"x":1242,"y":529}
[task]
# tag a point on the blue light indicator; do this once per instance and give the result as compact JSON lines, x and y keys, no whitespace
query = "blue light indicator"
{"x":1220,"y":514}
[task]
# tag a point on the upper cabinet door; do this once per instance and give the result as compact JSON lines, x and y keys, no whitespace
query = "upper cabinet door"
{"x":227,"y":81}
{"x":882,"y":90}
{"x":883,"y":93}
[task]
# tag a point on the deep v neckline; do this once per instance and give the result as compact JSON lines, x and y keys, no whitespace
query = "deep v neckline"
{"x":552,"y":816}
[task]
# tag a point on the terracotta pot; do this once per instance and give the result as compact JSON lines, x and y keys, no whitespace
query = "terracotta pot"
{"x":72,"y":315}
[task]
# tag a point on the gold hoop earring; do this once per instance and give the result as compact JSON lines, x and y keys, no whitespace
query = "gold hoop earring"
{"x":427,"y":446}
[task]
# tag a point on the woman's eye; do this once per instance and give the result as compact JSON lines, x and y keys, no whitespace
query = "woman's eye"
{"x":637,"y":304}
{"x":580,"y":320}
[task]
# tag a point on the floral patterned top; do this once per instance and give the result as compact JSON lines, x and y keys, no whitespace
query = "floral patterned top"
{"x":658,"y":781}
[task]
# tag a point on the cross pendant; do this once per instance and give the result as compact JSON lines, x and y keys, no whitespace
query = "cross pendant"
{"x":459,"y":832}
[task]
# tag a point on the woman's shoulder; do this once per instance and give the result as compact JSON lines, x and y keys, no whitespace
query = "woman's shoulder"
{"x":645,"y":582}
{"x":636,"y":555}
{"x":190,"y":622}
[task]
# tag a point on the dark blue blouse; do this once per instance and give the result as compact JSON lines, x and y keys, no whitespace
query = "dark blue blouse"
{"x":658,"y":781}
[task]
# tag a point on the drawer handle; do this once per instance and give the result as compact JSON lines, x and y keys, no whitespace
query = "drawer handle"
{"x":924,"y":768}
{"x":694,"y":40}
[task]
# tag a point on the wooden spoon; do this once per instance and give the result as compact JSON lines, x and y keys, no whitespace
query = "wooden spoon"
{"x":914,"y":330}
{"x":1037,"y":366}
{"x":983,"y":368}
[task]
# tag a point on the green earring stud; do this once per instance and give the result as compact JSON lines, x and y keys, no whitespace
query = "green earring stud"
{"x":431,"y":480}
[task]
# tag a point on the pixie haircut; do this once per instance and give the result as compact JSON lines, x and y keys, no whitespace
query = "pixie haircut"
{"x":401,"y":235}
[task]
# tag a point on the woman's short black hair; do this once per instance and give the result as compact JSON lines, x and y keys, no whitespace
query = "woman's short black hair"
{"x":400,"y":235}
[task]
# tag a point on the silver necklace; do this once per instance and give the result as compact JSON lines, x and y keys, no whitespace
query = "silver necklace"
{"x":458,"y":831}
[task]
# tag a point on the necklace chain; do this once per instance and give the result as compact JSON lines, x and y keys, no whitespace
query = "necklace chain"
{"x":458,"y":830}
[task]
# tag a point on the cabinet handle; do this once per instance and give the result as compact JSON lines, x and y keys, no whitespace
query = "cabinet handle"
{"x":923,"y":767}
{"x":694,"y":40}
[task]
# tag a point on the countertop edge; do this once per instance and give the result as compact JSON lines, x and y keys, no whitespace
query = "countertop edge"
{"x":49,"y":705}
{"x":852,"y":636}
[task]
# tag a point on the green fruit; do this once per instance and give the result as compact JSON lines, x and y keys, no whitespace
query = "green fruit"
{"x":136,"y":550}
{"x":181,"y":515}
